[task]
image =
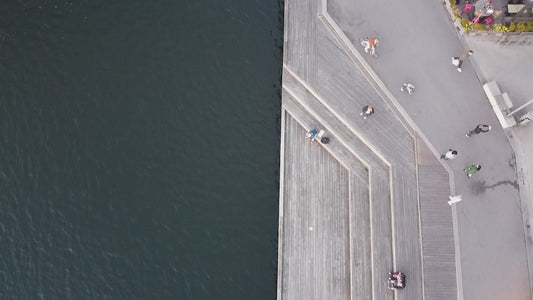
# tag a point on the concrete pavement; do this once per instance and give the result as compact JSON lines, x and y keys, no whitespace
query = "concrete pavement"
{"x":512,"y":68}
{"x":417,"y":42}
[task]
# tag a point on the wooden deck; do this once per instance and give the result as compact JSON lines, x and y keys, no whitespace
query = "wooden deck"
{"x":349,"y":210}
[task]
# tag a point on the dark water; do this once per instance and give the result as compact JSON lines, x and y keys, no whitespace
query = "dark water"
{"x":139,"y":149}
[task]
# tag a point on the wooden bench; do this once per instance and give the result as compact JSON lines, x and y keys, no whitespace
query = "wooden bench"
{"x":501,"y":103}
{"x":514,"y":8}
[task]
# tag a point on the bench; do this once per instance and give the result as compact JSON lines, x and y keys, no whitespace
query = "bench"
{"x":500,"y":102}
{"x":514,"y":8}
{"x":506,"y":102}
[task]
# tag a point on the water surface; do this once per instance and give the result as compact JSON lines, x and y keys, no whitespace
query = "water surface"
{"x":139,"y":149}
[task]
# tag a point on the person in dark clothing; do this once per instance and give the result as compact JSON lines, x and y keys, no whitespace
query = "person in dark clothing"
{"x":367,"y":111}
{"x":458,"y":61}
{"x":479,"y":129}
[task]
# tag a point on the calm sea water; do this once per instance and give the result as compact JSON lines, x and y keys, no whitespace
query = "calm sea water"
{"x":139,"y":148}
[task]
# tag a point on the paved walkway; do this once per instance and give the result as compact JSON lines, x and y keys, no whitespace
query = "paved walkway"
{"x":512,"y":68}
{"x":417,"y":43}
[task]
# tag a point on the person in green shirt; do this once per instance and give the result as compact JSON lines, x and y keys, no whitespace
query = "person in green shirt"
{"x":471,"y":170}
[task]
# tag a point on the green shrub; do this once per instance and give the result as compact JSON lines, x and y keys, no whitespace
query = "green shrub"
{"x":452,"y":4}
{"x":520,"y":27}
{"x":478,"y":26}
{"x":499,"y":27}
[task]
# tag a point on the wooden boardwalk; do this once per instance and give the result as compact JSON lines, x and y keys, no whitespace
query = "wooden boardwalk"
{"x":349,"y":210}
{"x":436,"y":223}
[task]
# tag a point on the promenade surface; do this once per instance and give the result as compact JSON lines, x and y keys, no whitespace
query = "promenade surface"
{"x":417,"y":47}
{"x":329,"y":248}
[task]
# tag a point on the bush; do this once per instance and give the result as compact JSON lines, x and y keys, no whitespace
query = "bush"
{"x":478,"y":26}
{"x":467,"y":25}
{"x":520,"y":27}
{"x":499,"y":27}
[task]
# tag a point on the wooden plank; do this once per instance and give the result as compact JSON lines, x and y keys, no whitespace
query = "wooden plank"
{"x":440,"y":280}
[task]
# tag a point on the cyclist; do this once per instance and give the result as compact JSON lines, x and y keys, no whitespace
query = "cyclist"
{"x":370,"y":45}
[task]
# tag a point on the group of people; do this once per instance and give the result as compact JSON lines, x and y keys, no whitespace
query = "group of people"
{"x":452,"y":154}
{"x":482,"y":11}
{"x":457,"y":61}
{"x":396,"y":280}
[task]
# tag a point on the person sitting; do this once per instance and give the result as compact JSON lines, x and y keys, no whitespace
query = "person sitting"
{"x":398,"y":279}
{"x":489,"y":10}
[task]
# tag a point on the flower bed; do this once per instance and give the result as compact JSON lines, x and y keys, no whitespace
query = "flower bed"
{"x":469,"y":25}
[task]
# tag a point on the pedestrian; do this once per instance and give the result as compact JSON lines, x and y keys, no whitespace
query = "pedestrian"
{"x":370,"y":45}
{"x":367,"y":111}
{"x":455,"y":199}
{"x":471,"y":170}
{"x":451,"y":154}
{"x":458,"y":61}
{"x":408,"y":87}
{"x":479,"y":129}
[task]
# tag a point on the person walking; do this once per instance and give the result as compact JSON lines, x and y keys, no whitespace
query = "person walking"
{"x":451,"y":154}
{"x":408,"y":87}
{"x":458,"y":61}
{"x":479,"y":129}
{"x":367,"y":111}
{"x":471,"y":170}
